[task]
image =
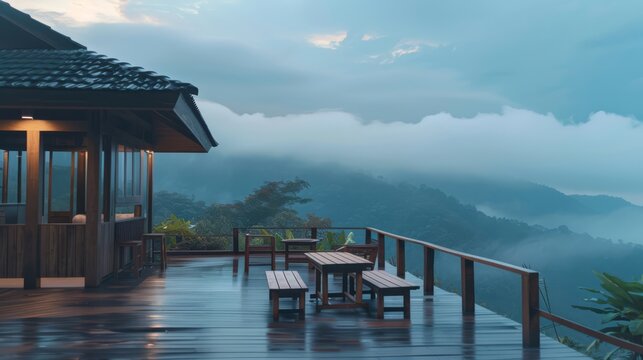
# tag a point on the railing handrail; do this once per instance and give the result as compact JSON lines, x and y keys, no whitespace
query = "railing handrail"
{"x":622,"y":343}
{"x":475,"y":258}
{"x":300,"y":228}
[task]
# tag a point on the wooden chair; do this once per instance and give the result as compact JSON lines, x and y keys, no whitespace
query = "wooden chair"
{"x":259,"y":249}
{"x":367,"y":251}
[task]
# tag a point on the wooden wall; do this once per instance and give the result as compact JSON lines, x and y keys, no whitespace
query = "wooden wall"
{"x":11,"y":250}
{"x":62,"y":250}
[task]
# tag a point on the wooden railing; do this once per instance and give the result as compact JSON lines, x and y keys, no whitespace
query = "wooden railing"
{"x":531,"y":312}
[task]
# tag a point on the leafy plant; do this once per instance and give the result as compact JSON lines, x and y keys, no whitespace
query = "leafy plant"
{"x":176,"y":229}
{"x":333,"y":240}
{"x":621,"y":305}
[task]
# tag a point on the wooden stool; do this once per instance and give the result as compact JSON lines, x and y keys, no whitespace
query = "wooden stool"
{"x":152,"y":238}
{"x":137,"y":260}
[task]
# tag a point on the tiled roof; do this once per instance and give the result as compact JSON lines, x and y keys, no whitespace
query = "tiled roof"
{"x":78,"y":69}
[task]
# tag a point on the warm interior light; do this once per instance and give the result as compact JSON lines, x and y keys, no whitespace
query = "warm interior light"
{"x":27,"y":115}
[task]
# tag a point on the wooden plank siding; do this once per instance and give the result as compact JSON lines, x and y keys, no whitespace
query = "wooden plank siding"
{"x":62,"y":250}
{"x":11,"y":250}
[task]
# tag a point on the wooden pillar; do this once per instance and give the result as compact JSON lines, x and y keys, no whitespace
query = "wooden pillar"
{"x":429,"y":271}
{"x":108,"y":179}
{"x":33,"y":211}
{"x":367,"y":236}
{"x":150,"y":191}
{"x":235,"y":240}
{"x":468,"y":292}
{"x":5,"y":176}
{"x":81,"y":176}
{"x":401,"y":258}
{"x":530,"y":308}
{"x":313,"y":233}
{"x":92,"y":225}
{"x":381,"y":258}
{"x":19,"y":183}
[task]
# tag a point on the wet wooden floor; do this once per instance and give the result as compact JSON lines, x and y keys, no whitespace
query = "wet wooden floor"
{"x":201,"y":309}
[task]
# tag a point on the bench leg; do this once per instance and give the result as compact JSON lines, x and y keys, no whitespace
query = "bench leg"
{"x":275,"y":307}
{"x":407,"y":305}
{"x":380,"y":305}
{"x":302,"y":305}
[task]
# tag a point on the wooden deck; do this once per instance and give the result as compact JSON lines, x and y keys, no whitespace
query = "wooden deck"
{"x":201,"y":309}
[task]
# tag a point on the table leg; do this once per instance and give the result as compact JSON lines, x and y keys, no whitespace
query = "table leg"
{"x":317,"y":283}
{"x":325,"y":288}
{"x":358,"y":287}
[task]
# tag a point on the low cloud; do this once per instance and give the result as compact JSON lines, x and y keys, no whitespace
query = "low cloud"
{"x":601,"y":155}
{"x":370,"y":37}
{"x":408,"y":47}
{"x":328,"y":41}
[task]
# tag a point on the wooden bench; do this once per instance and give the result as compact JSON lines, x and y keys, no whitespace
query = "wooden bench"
{"x":286,"y":284}
{"x":384,"y":284}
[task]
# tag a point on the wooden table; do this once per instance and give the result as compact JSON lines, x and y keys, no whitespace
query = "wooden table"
{"x":297,"y":256}
{"x":326,"y":262}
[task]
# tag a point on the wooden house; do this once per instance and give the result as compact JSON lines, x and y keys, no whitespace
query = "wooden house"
{"x":78,"y":133}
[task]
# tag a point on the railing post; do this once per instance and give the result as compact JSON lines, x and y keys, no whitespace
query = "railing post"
{"x":367,"y":236}
{"x":381,"y":258}
{"x":401,"y":265}
{"x":313,"y":233}
{"x":530,"y":308}
{"x":235,"y":240}
{"x":429,"y":271}
{"x":468,"y":287}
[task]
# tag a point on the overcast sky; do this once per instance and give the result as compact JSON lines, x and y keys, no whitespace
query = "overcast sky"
{"x":543,"y":90}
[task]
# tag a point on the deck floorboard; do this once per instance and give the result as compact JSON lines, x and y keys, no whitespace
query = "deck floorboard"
{"x":200,"y":309}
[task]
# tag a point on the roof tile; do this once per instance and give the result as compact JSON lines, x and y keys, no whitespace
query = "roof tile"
{"x":79,"y":69}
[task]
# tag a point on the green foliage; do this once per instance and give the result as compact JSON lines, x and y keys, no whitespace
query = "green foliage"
{"x":620,"y":305}
{"x":333,"y":240}
{"x":169,"y":203}
{"x":174,"y":225}
{"x":176,"y":230}
{"x":267,"y":206}
{"x":204,"y":243}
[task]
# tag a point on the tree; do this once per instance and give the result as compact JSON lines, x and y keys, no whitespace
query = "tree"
{"x":267,"y":206}
{"x":171,"y":203}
